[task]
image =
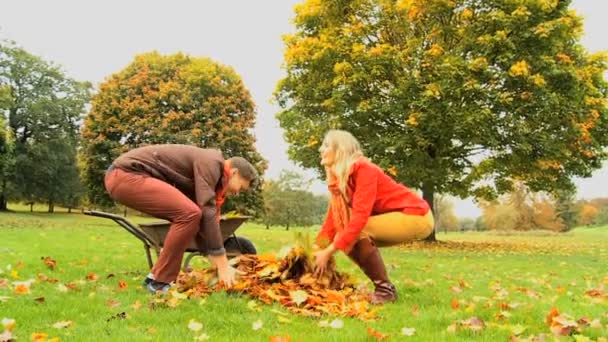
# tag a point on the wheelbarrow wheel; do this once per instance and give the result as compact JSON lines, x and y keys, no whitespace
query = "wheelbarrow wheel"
{"x":239,"y":245}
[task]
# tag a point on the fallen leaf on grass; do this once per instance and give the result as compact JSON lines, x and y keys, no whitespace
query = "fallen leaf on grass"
{"x":283,"y":319}
{"x":119,"y":316}
{"x":40,"y":300}
{"x":455,"y":304}
{"x":202,"y":337}
{"x":253,"y":306}
{"x":8,"y":323}
{"x":112,"y":303}
{"x":194,"y":325}
{"x":122,"y":284}
{"x":39,"y":337}
{"x":63,"y":324}
{"x":336,"y":324}
{"x":22,"y":289}
{"x":474,"y":324}
{"x":49,"y":262}
{"x":376,"y":334}
{"x":3,"y":282}
{"x":257,"y":325}
{"x":92,"y":276}
{"x":518,"y":329}
{"x":136,"y":305}
{"x":415,"y":310}
{"x":280,"y":339}
{"x":6,"y":336}
{"x":408,"y":331}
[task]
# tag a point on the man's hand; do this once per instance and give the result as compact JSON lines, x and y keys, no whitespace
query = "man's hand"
{"x":228,"y":275}
{"x":225,"y":272}
{"x":321,"y":259}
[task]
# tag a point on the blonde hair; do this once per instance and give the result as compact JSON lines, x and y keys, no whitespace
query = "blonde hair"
{"x":347,"y":151}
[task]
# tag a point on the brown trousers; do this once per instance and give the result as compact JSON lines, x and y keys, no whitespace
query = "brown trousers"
{"x":159,"y":199}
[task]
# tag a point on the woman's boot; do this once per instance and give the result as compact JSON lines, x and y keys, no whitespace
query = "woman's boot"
{"x":367,"y":256}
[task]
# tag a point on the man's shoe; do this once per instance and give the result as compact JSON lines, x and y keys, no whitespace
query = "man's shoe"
{"x":147,"y":281}
{"x":156,"y":286}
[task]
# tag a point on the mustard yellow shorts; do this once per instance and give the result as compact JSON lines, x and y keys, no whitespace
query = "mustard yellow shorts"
{"x":396,"y":227}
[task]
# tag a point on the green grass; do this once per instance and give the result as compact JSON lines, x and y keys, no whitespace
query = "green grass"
{"x":536,"y":271}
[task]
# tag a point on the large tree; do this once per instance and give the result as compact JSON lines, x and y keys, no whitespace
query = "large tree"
{"x":169,"y":99}
{"x":44,"y":108}
{"x":460,"y":97}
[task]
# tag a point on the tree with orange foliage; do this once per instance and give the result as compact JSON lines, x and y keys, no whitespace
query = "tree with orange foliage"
{"x":175,"y":99}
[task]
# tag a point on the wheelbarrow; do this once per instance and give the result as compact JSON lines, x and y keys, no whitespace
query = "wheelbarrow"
{"x":153,"y":236}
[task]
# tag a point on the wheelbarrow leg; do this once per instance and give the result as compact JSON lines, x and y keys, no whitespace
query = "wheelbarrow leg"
{"x":148,"y":255}
{"x":191,"y":255}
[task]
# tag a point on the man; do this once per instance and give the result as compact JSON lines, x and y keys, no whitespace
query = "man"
{"x":185,"y":185}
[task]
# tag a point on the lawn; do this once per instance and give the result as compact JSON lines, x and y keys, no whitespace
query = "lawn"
{"x":510,"y":282}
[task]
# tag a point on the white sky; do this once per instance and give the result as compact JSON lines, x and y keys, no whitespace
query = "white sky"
{"x":94,"y":39}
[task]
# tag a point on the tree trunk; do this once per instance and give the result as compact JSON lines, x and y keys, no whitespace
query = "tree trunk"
{"x":51,"y":207}
{"x":3,"y":199}
{"x":31,"y":207}
{"x":125,"y":214}
{"x":69,"y":210}
{"x":3,"y":202}
{"x":428,"y":194}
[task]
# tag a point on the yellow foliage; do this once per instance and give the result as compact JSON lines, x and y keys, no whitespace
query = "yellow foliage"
{"x":309,"y":8}
{"x":538,"y":80}
{"x":564,"y":58}
{"x":467,"y":14}
{"x":414,"y":13}
{"x":358,"y":48}
{"x":392,"y":171}
{"x":520,"y":68}
{"x":478,"y":64}
{"x":435,"y":50}
{"x":342,"y":67}
{"x":432,"y":90}
{"x":412,"y":119}
{"x":549,"y":164}
{"x":404,"y":5}
{"x":521,"y":11}
{"x":548,"y":5}
{"x":378,"y":50}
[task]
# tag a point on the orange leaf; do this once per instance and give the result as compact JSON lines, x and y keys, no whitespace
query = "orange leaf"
{"x":22,"y":289}
{"x":378,"y":335}
{"x":280,"y":339}
{"x":552,"y":313}
{"x":49,"y":262}
{"x":38,"y":337}
{"x":92,"y":276}
{"x":455,"y":304}
{"x":122,"y":284}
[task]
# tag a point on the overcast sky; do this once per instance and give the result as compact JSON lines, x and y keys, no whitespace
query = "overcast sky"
{"x":94,"y":39}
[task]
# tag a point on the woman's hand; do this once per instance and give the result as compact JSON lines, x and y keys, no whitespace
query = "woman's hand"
{"x":321,"y":259}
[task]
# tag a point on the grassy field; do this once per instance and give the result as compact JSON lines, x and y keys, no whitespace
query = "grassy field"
{"x":510,"y":282}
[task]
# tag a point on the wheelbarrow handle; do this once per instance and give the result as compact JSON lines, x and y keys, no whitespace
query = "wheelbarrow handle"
{"x":126,"y":224}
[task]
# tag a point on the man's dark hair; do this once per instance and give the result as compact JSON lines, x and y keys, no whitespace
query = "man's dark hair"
{"x":246,"y":170}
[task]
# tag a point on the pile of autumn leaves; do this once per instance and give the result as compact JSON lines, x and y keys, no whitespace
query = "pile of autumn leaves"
{"x":288,"y":281}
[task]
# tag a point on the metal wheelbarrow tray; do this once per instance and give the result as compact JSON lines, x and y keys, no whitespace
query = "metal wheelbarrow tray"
{"x":153,"y":236}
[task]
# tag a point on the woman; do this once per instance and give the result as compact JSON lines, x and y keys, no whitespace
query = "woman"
{"x":367,"y":209}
